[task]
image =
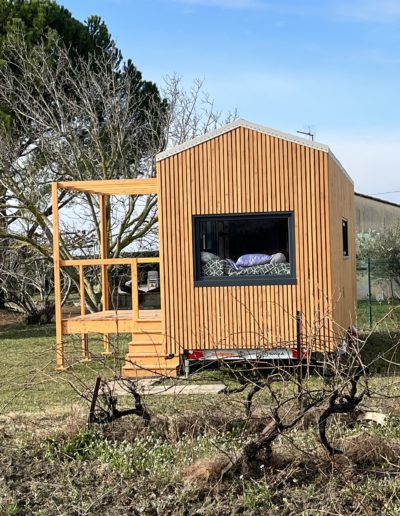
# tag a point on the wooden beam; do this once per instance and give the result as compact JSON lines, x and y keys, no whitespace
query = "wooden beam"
{"x":104,"y":270}
{"x":57,"y":278}
{"x":85,"y":340}
{"x":161,"y":262}
{"x":107,"y":261}
{"x":103,"y":249}
{"x":135,"y":293}
{"x":113,"y":186}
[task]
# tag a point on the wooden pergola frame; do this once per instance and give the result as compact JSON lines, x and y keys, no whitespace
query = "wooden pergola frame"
{"x":103,"y":189}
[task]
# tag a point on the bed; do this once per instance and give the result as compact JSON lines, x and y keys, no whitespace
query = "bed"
{"x":225,"y":268}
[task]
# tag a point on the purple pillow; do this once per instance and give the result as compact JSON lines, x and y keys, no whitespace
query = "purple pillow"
{"x":253,"y":259}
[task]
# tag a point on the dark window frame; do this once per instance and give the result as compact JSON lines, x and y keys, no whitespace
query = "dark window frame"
{"x":345,"y":238}
{"x":221,"y":281}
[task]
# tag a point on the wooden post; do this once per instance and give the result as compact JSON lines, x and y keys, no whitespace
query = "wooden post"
{"x":135,"y":293}
{"x":299,"y":357}
{"x":94,"y":401}
{"x":161,"y":260}
{"x":57,"y":278}
{"x":104,"y":268}
{"x":85,"y":340}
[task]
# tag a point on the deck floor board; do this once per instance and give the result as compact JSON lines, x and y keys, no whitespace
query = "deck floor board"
{"x":109,"y":321}
{"x":113,"y":315}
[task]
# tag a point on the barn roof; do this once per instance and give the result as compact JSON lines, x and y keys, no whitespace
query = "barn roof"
{"x":240,"y":122}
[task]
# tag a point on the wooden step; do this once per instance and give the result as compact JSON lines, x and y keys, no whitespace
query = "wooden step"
{"x":145,"y":358}
{"x":146,"y":343}
{"x":156,"y":350}
{"x":138,"y":345}
{"x":148,"y":324}
{"x":146,"y":355}
{"x":147,"y":337}
{"x":149,"y":371}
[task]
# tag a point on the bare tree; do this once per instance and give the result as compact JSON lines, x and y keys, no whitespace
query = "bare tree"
{"x":85,"y":119}
{"x":26,"y":281}
{"x":79,"y":120}
{"x":191,"y":111}
{"x":338,"y":387}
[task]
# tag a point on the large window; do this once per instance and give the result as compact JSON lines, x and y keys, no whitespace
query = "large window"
{"x":244,"y":249}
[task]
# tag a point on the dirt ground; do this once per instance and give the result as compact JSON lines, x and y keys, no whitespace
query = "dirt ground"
{"x":7,"y":318}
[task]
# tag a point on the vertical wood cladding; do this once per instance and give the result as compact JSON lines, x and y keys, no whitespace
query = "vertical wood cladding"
{"x":342,"y":206}
{"x":247,"y":171}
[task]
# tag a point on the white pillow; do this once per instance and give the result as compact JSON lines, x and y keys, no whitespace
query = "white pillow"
{"x":278,"y":258}
{"x":208,"y":257}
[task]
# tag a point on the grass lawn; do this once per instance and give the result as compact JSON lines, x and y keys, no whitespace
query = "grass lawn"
{"x":28,"y":378}
{"x":385,"y":316}
{"x":30,"y":383}
{"x":52,"y":464}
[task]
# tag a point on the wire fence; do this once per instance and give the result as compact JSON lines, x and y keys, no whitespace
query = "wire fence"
{"x":378,"y":296}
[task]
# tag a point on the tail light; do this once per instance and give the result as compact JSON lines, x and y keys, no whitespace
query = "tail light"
{"x":195,"y":354}
{"x":295,"y":355}
{"x":353,"y":332}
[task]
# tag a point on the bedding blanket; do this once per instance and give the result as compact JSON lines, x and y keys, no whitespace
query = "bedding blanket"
{"x":225,"y":268}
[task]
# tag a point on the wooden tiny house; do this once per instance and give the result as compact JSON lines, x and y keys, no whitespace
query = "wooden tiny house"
{"x":254,"y":226}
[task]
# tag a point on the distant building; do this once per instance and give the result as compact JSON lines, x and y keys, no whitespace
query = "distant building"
{"x":375,"y":214}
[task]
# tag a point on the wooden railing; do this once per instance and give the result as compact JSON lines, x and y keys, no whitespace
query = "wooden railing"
{"x":104,"y":263}
{"x":102,"y":189}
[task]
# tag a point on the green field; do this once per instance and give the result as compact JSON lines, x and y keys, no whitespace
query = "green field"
{"x":384,"y":316}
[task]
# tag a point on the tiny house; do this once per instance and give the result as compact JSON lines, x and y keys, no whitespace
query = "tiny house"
{"x":255,"y":227}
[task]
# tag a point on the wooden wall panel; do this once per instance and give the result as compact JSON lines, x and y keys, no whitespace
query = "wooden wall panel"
{"x":246,"y":171}
{"x":341,"y":193}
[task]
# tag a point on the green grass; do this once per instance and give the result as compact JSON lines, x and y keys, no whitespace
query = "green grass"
{"x":385,"y":316}
{"x":382,"y":348}
{"x":381,"y":352}
{"x":29,"y":380}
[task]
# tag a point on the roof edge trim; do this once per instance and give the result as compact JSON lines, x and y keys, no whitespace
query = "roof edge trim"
{"x":340,"y":166}
{"x":240,"y":122}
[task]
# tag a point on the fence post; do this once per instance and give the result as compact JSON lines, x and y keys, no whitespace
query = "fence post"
{"x":369,"y":294}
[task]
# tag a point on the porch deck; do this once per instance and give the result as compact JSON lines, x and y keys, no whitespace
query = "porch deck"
{"x":147,"y":348}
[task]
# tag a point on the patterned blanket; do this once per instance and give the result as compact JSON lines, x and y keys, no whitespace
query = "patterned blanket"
{"x":225,"y":268}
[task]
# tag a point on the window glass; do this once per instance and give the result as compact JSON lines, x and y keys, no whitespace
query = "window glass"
{"x":236,"y":249}
{"x":345,"y":236}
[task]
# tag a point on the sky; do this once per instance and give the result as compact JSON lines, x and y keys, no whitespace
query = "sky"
{"x":332,"y":65}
